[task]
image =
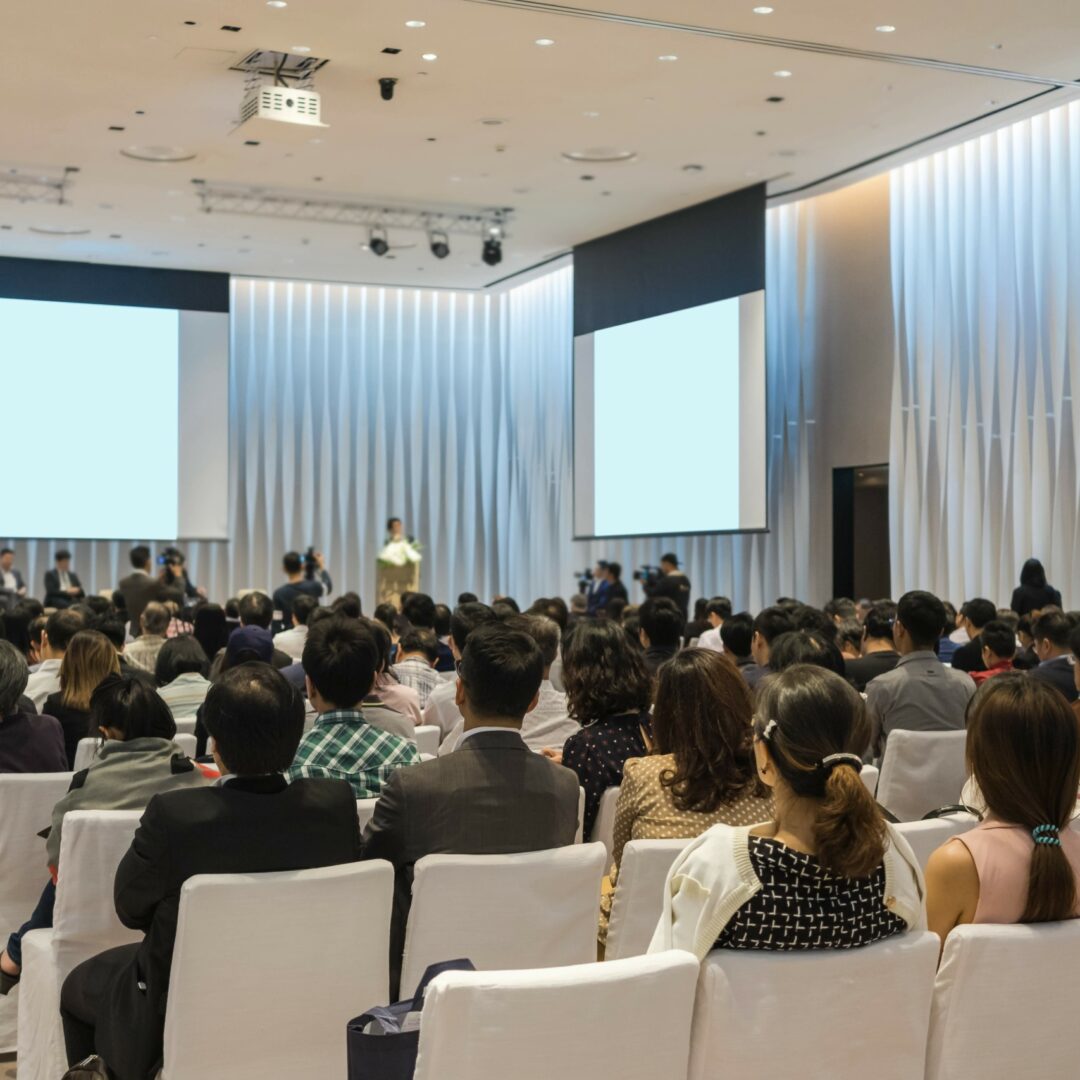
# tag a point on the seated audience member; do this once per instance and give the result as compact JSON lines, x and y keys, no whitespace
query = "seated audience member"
{"x":467,"y":598}
{"x":62,"y":585}
{"x":768,"y":626}
{"x":210,"y":628}
{"x":254,"y":821}
{"x":492,"y":796}
{"x":247,"y":645}
{"x":862,"y":608}
{"x":920,"y":693}
{"x":300,"y":583}
{"x":608,"y":691}
{"x":142,"y":653}
{"x":89,"y":659}
{"x":349,"y":605}
{"x":35,"y":655}
{"x":697,"y":626}
{"x":827,"y":872}
{"x":388,"y":691}
{"x":701,"y":772}
{"x":661,"y":631}
{"x":291,"y":641}
{"x":417,"y":653}
{"x":976,"y":614}
{"x":579,"y":606}
{"x":387,"y":614}
{"x":998,"y":642}
{"x":340,"y":661}
{"x":137,"y":760}
{"x":255,"y":610}
{"x":953,"y":634}
{"x":181,"y":674}
{"x":444,"y":665}
{"x":1026,"y":657}
{"x":59,"y":629}
{"x":736,"y":634}
{"x":16,"y":628}
{"x":840,"y":609}
{"x":111,"y":626}
{"x":717,"y":611}
{"x":441,"y":709}
{"x":139,"y":588}
{"x":1051,"y":632}
{"x":805,"y":647}
{"x":29,"y":743}
{"x":1033,"y":592}
{"x":849,"y":635}
{"x":1022,"y":862}
{"x":878,"y":648}
{"x":178,"y":622}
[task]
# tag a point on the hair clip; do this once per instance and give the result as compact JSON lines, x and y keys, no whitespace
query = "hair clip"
{"x":770,"y":727}
{"x":830,"y":761}
{"x":1046,"y":834}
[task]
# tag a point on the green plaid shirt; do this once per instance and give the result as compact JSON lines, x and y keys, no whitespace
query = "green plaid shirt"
{"x":344,"y":746}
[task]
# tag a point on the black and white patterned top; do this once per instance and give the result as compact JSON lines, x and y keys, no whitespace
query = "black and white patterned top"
{"x":802,"y":905}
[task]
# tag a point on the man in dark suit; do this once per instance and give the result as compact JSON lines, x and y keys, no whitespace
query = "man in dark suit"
{"x":12,"y":586}
{"x":492,"y":795}
{"x":975,"y":615}
{"x":140,"y":587}
{"x":114,"y":1004}
{"x":62,"y":586}
{"x":672,"y":583}
{"x":1051,"y":632}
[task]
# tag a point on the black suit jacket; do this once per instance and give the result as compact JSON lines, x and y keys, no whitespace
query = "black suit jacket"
{"x":491,"y":796}
{"x":870,"y":666}
{"x":968,"y":657}
{"x":55,"y":596}
{"x":1057,"y":672}
{"x":248,"y":826}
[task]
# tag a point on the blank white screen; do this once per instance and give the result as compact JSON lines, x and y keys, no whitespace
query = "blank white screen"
{"x":92,"y":420}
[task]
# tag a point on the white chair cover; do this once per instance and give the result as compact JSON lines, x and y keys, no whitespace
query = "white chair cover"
{"x":268,"y":969}
{"x":925,"y":837}
{"x":26,"y":803}
{"x":365,"y":810}
{"x":629,"y":1019}
{"x":539,"y":909}
{"x":428,"y":737}
{"x":1004,"y":1004}
{"x":843,"y":1014}
{"x":921,"y":771}
{"x":84,"y":924}
{"x":869,"y":775}
{"x":603,"y":830}
{"x":579,"y":836}
{"x":185,"y":725}
{"x":638,"y":902}
{"x":87,"y":749}
{"x":186,"y":741}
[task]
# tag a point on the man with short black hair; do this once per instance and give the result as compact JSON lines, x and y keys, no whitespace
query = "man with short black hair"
{"x":998,"y":641}
{"x":1051,"y":632}
{"x":12,"y":586}
{"x":139,"y":588}
{"x":660,"y":629}
{"x":60,"y":628}
{"x":340,"y":661}
{"x":255,"y":609}
{"x":492,"y":795}
{"x":769,"y":624}
{"x":736,"y":633}
{"x":419,"y":610}
{"x":62,"y":585}
{"x":976,"y":614}
{"x":300,"y":582}
{"x":672,"y":584}
{"x":920,"y":693}
{"x":417,"y":652}
{"x":291,"y":641}
{"x":442,"y":710}
{"x":878,"y":648}
{"x":716,"y":611}
{"x":29,"y":743}
{"x":253,"y":821}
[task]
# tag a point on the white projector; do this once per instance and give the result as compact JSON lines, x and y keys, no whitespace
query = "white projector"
{"x":283,"y":104}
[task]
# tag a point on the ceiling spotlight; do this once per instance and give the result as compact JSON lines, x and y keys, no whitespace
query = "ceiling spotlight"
{"x":439,"y":243}
{"x":301,"y":48}
{"x":667,"y":57}
{"x":782,"y":74}
{"x":429,"y":56}
{"x":277,"y":3}
{"x":544,"y":41}
{"x":885,"y":29}
{"x":763,"y":10}
{"x":492,"y":252}
{"x":416,"y":24}
{"x":377,"y":242}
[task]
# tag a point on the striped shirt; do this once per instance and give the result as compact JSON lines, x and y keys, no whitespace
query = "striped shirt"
{"x":418,"y":674}
{"x":185,"y":694}
{"x":344,"y":746}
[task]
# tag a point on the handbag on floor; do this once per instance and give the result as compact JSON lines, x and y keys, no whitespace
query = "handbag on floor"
{"x":382,"y":1043}
{"x":91,"y":1068}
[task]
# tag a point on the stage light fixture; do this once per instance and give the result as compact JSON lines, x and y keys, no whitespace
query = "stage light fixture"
{"x":377,"y":242}
{"x":492,"y":253}
{"x":439,"y":244}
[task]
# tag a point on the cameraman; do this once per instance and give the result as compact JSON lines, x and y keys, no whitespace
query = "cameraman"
{"x":307,"y":577}
{"x":605,"y":587}
{"x":672,"y":583}
{"x":174,"y":573}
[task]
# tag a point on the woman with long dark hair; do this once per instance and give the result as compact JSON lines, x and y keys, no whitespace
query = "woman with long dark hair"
{"x":1033,"y":592}
{"x":1022,"y":863}
{"x":210,"y":628}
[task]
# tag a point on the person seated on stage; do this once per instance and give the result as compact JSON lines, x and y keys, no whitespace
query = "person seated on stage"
{"x":716,"y":611}
{"x":492,"y":796}
{"x":1051,"y":632}
{"x":252,"y":822}
{"x":181,"y":675}
{"x":998,"y":641}
{"x":417,"y":652}
{"x":291,"y":641}
{"x":340,"y":661}
{"x":827,"y":872}
{"x":307,"y":576}
{"x":878,"y":648}
{"x":1021,"y":864}
{"x":142,"y":653}
{"x":12,"y":585}
{"x":769,"y":624}
{"x":29,"y":743}
{"x":136,"y":760}
{"x":62,"y":585}
{"x":255,"y":610}
{"x":59,"y":629}
{"x":660,"y":628}
{"x":442,"y":709}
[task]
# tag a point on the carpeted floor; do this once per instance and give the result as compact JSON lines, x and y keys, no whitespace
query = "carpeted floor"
{"x":7,"y":1067}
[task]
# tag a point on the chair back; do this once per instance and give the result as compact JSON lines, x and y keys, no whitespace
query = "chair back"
{"x":628,"y":1019}
{"x":830,"y":1012}
{"x":579,"y":835}
{"x":428,"y":737}
{"x":603,"y":830}
{"x":538,"y":909}
{"x":88,"y":747}
{"x":925,"y":837}
{"x":1003,"y":1003}
{"x":269,"y":968}
{"x":869,"y":776}
{"x":921,"y":771}
{"x":365,"y":810}
{"x":638,"y":902}
{"x":26,"y":806}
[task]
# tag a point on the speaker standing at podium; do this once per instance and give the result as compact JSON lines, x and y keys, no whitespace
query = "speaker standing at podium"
{"x":398,"y":565}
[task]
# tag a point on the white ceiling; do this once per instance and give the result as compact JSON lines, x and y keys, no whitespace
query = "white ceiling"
{"x":74,"y":69}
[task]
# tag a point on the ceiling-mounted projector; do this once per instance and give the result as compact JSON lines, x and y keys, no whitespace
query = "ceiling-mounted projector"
{"x":283,"y":104}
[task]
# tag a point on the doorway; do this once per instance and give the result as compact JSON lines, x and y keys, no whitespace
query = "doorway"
{"x":861,"y":532}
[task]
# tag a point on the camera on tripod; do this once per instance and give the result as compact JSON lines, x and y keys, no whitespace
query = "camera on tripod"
{"x":648,"y":575}
{"x":311,"y":563}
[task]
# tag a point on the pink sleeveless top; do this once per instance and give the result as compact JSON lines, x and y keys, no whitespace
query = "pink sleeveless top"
{"x":1002,"y":854}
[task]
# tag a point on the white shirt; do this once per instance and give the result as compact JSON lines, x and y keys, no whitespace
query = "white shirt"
{"x":44,"y":681}
{"x":442,"y":710}
{"x":9,"y":580}
{"x":479,"y":731}
{"x":65,"y":579}
{"x":292,"y":641}
{"x":711,"y":640}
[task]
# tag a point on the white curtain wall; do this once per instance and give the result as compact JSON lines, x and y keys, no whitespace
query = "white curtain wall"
{"x":986,"y":288}
{"x":452,"y":410}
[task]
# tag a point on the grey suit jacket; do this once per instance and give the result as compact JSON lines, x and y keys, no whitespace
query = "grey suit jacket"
{"x":492,"y":796}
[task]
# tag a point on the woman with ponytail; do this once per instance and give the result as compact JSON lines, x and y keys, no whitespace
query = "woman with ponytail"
{"x":1022,"y":863}
{"x":827,"y":872}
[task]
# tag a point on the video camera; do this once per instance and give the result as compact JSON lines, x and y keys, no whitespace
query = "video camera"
{"x":584,"y":580}
{"x":648,"y":575}
{"x":171,"y":557}
{"x":311,"y":564}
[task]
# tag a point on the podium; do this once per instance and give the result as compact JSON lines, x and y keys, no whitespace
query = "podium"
{"x":392,"y":581}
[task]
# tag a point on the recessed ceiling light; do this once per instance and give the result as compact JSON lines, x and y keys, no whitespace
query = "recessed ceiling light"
{"x":763,"y":10}
{"x":416,"y":24}
{"x":59,"y":230}
{"x":591,"y":114}
{"x":301,"y":48}
{"x":277,"y":3}
{"x":885,"y":28}
{"x":158,"y":153}
{"x":783,"y":74}
{"x":429,"y":56}
{"x":606,"y":154}
{"x":545,"y":41}
{"x":667,"y":57}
